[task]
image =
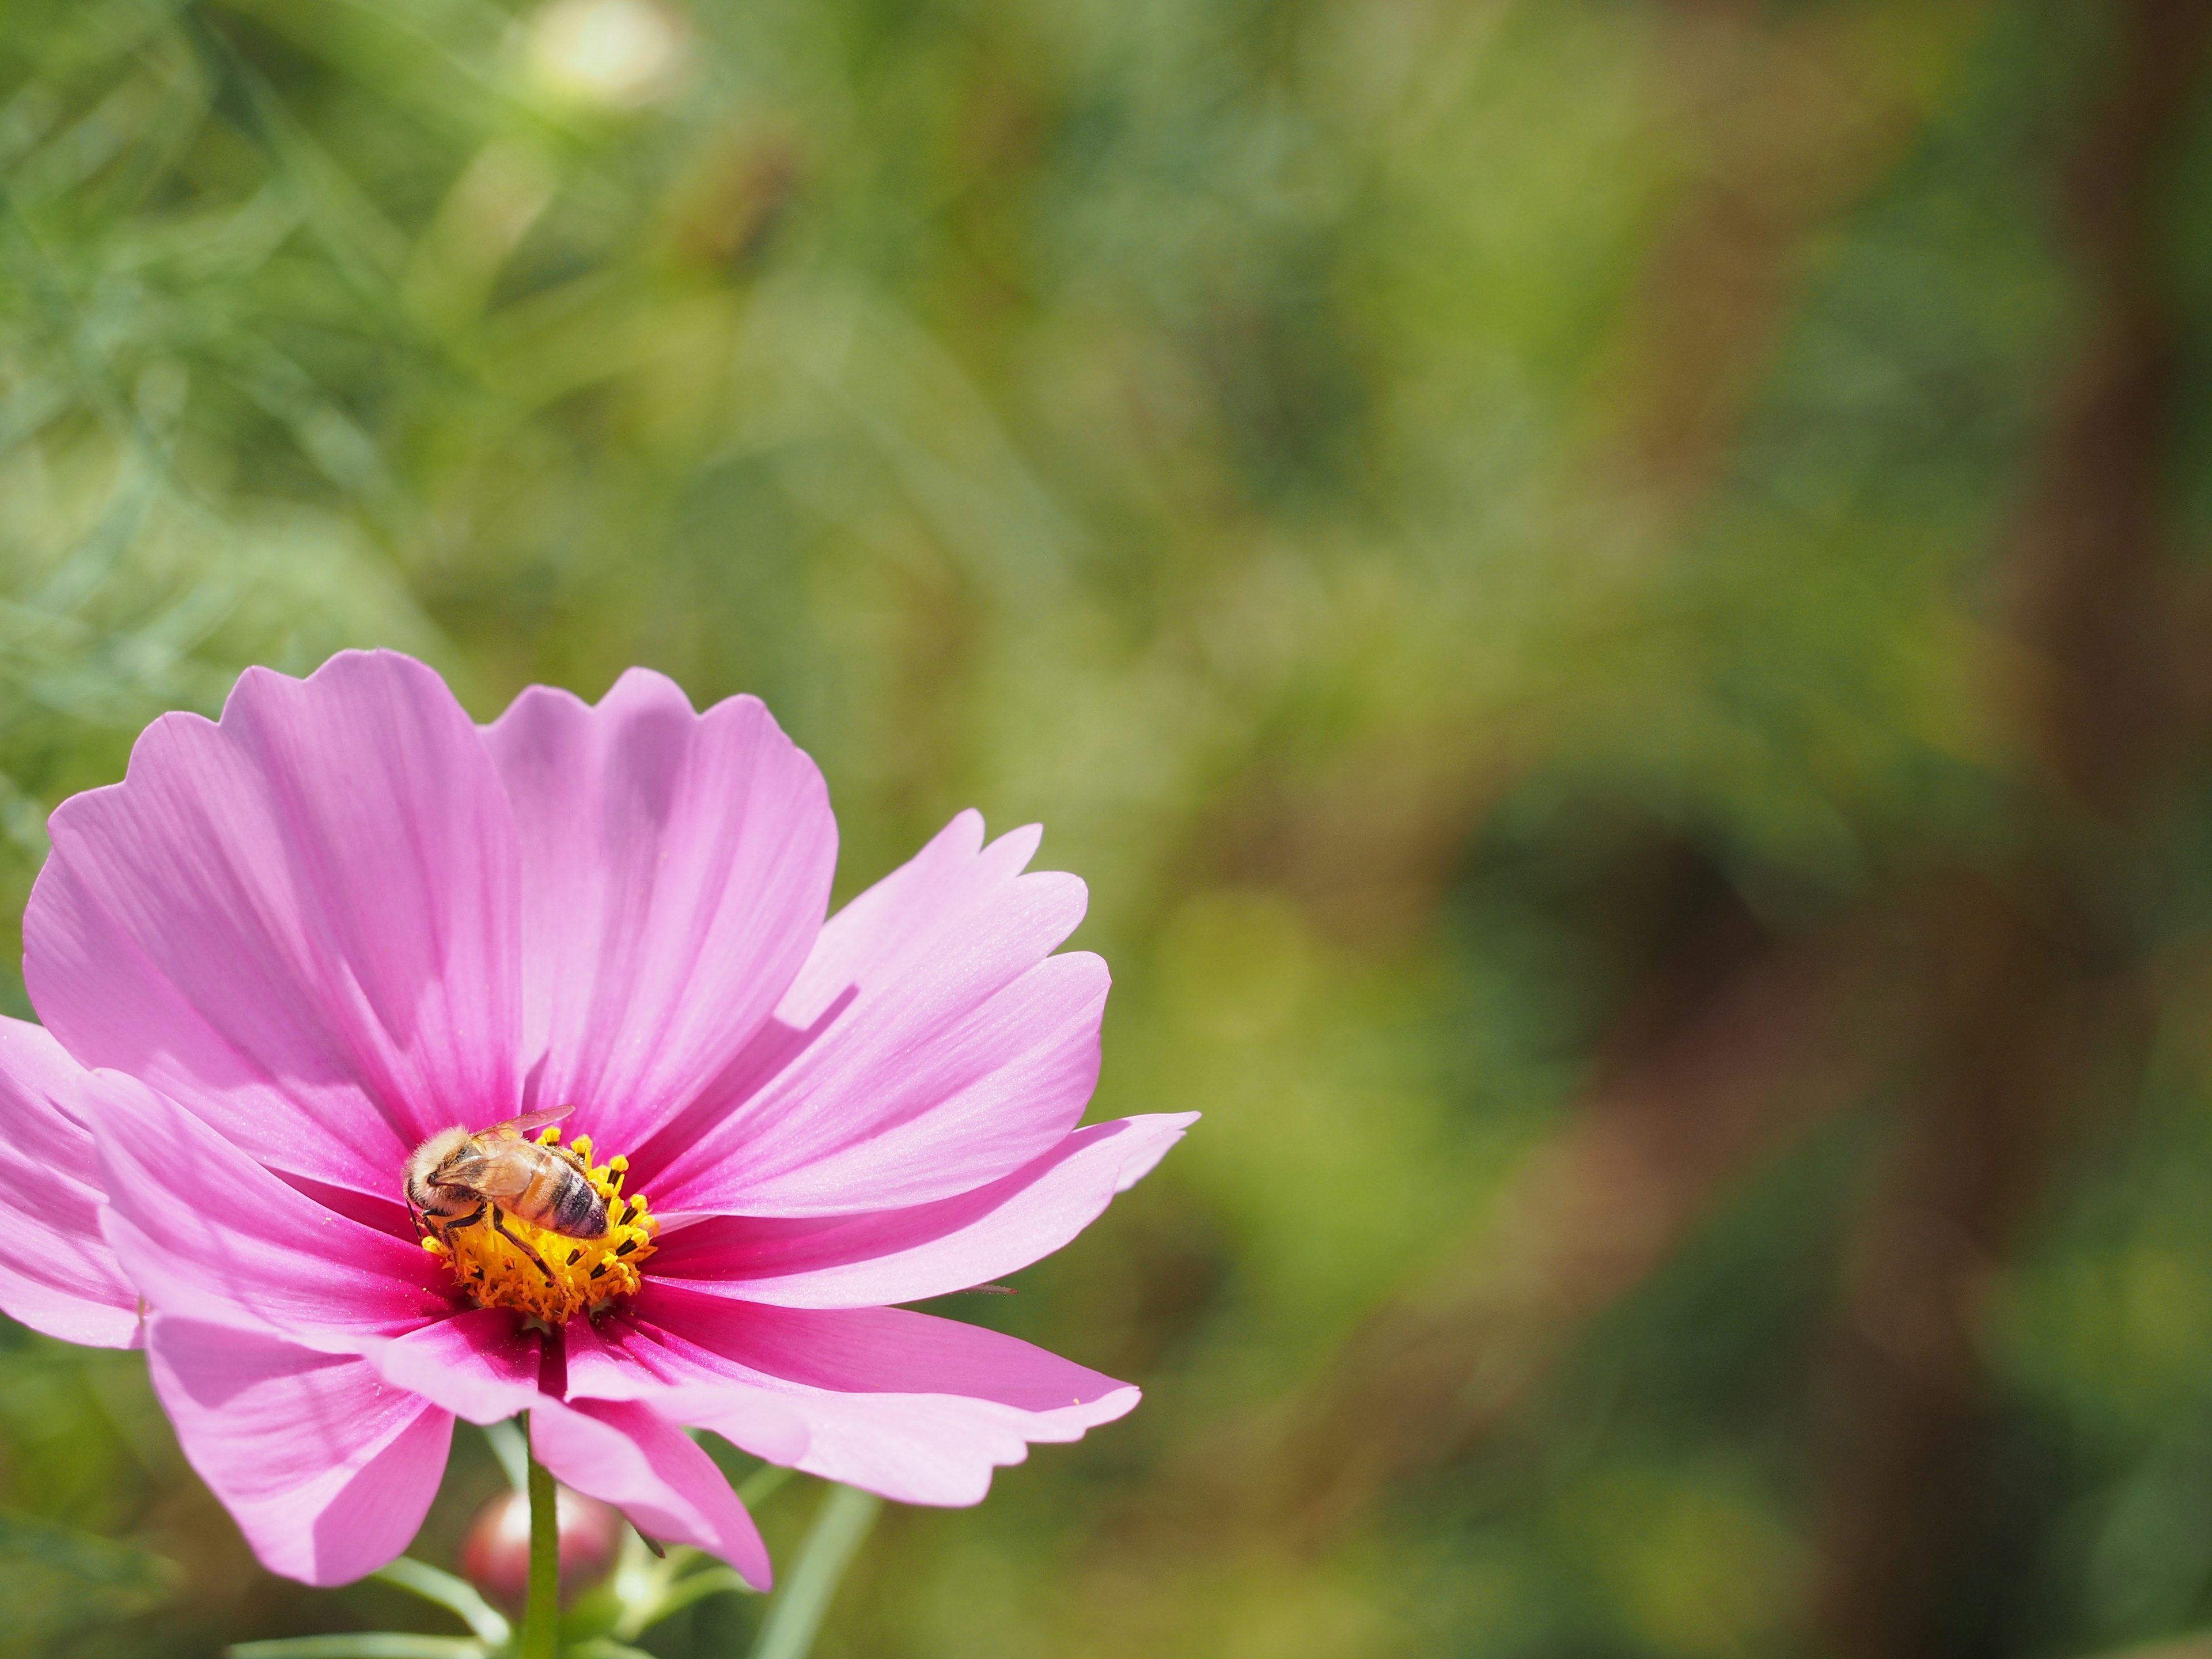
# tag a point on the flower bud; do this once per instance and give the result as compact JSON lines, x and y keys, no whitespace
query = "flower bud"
{"x":496,"y":1553}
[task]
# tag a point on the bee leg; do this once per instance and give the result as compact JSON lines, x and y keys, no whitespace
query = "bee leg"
{"x":518,"y":1243}
{"x":445,"y":1229}
{"x":420,"y":1217}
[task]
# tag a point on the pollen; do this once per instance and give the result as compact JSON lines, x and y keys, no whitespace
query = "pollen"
{"x":585,"y":1276}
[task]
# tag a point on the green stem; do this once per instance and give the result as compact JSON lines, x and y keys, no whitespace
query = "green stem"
{"x":541,"y":1606}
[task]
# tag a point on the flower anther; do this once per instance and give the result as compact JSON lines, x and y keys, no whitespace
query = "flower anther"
{"x":587,"y":1276}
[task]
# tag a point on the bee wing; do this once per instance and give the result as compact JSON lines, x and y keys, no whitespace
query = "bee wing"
{"x":530,"y":1122}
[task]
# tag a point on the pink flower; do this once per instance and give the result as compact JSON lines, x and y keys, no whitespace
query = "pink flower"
{"x":290,"y":946}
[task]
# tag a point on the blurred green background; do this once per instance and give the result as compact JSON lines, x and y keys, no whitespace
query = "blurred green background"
{"x":1610,"y":594}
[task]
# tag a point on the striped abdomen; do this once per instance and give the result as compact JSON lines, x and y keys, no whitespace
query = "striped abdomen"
{"x":558,"y":1197}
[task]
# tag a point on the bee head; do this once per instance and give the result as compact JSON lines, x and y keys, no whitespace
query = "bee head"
{"x":424,"y":1162}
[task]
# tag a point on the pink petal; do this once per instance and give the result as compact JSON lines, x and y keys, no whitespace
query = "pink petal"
{"x":930,"y":1044}
{"x":625,"y":1455}
{"x":915,"y":1408}
{"x":613,"y":1364}
{"x":903,"y":1255}
{"x":327,"y":1468}
{"x":675,"y":871}
{"x":932,"y":1449}
{"x":877,"y":1349}
{"x":301,"y":922}
{"x":58,"y":1275}
{"x":480,"y":1365}
{"x":205,"y":1232}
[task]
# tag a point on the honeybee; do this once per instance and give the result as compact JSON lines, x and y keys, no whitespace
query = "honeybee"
{"x":456,"y":1179}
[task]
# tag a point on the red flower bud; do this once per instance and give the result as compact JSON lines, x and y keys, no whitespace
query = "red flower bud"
{"x":496,"y":1553}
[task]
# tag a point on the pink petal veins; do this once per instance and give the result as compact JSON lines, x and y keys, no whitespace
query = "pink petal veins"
{"x":327,"y":1468}
{"x":903,"y":1255}
{"x":204,"y":1232}
{"x":676,"y":867}
{"x":301,"y":922}
{"x":876,"y":1351}
{"x":609,"y":1363}
{"x":59,"y":1274}
{"x":479,"y":1366}
{"x":930,"y":1044}
{"x":913,"y":1408}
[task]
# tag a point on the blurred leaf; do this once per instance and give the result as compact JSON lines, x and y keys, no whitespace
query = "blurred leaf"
{"x":456,"y":1595}
{"x":134,"y":1578}
{"x":795,"y":1612}
{"x":55,"y":1579}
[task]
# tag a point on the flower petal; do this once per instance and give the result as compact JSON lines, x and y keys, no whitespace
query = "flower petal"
{"x":301,"y":922}
{"x":327,"y":1468}
{"x":205,"y":1232}
{"x":903,"y":1255}
{"x":608,"y":1363}
{"x":676,"y":868}
{"x":59,"y":1275}
{"x":623,"y":1454}
{"x":933,"y":1449}
{"x":930,"y":1044}
{"x":480,"y":1365}
{"x":914,"y":1407}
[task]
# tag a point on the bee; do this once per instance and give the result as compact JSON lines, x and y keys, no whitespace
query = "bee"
{"x":456,"y":1179}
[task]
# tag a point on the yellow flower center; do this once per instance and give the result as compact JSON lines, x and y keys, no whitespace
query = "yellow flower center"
{"x":578,"y":1275}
